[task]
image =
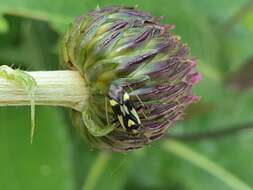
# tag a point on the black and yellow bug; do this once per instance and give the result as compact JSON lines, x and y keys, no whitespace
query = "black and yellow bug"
{"x":123,"y":108}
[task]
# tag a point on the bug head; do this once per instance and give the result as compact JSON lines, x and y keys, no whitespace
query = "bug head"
{"x":116,"y":92}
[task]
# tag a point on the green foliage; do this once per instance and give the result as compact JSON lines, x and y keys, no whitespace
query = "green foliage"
{"x":59,"y":159}
{"x":46,"y":164}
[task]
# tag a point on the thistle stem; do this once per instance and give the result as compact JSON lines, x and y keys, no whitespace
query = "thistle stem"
{"x":54,"y":88}
{"x":96,"y":170}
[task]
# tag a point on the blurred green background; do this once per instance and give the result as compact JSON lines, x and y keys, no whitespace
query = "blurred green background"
{"x":220,"y":35}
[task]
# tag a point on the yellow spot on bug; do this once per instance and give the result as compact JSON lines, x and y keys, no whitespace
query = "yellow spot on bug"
{"x":130,"y":123}
{"x":126,"y":96}
{"x":113,"y":102}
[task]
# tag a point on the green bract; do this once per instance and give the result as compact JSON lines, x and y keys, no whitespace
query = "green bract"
{"x":119,"y":50}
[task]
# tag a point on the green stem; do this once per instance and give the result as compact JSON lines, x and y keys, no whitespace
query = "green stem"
{"x":53,"y":88}
{"x":238,"y":16}
{"x":96,"y":170}
{"x":204,"y":163}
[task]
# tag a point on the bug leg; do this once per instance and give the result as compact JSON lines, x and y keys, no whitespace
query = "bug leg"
{"x":94,"y":124}
{"x":106,"y":111}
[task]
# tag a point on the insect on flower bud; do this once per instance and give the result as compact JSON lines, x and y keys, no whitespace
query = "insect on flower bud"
{"x":139,"y":76}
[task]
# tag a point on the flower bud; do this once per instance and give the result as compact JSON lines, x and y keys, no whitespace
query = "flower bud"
{"x":139,"y":76}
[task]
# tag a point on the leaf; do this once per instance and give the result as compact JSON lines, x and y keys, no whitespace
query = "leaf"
{"x":220,"y":11}
{"x":237,"y":47}
{"x":204,"y":163}
{"x":57,"y":13}
{"x":33,"y":38}
{"x":4,"y":26}
{"x":47,"y":161}
{"x":248,"y":21}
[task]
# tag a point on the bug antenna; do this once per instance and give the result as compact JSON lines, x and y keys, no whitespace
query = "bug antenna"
{"x":106,"y":111}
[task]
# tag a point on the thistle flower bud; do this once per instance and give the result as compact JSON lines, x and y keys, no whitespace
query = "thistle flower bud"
{"x":139,"y":76}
